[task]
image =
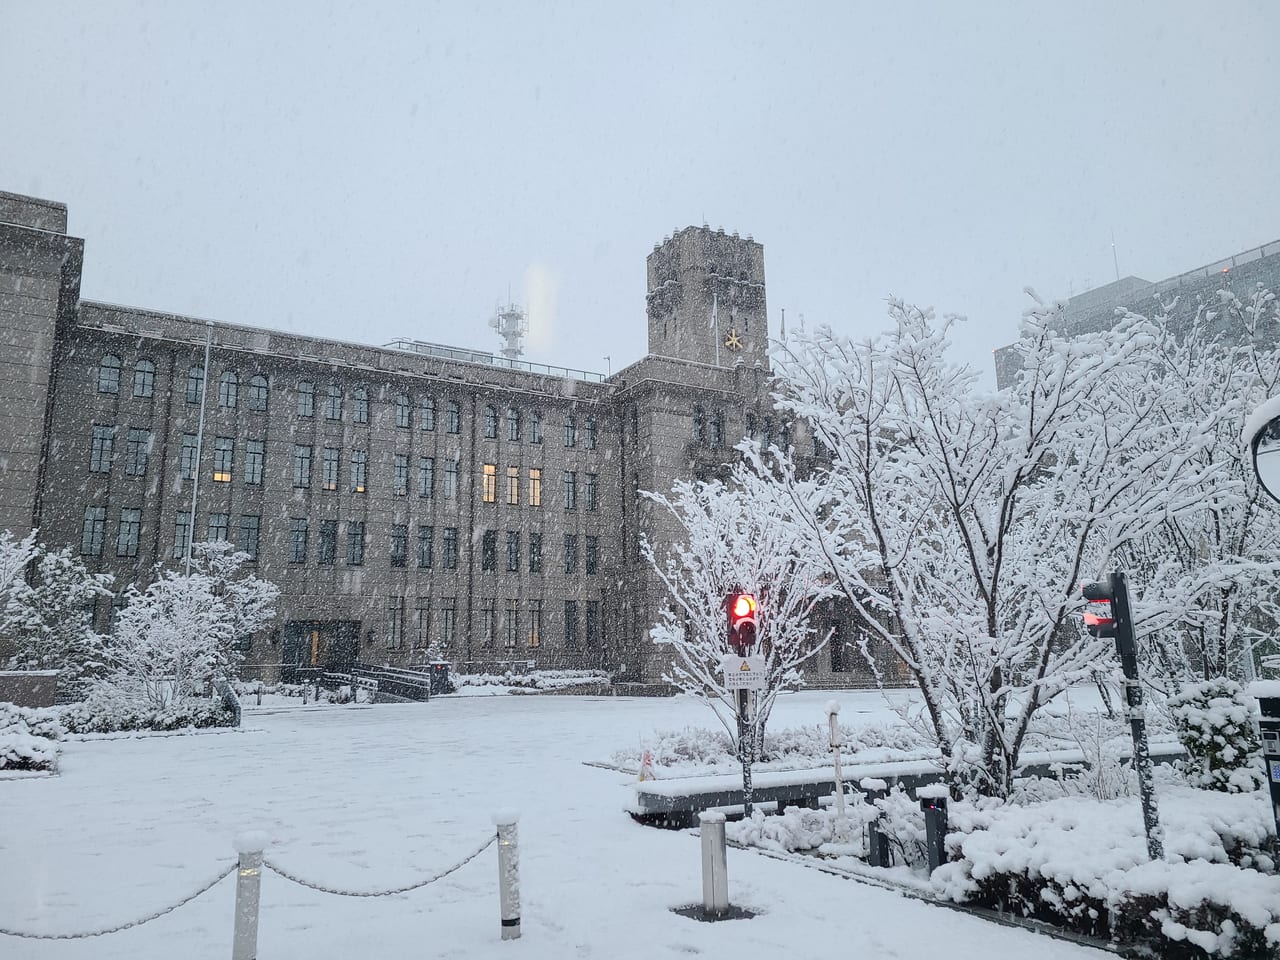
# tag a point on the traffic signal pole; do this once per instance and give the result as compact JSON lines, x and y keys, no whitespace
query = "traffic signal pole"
{"x":1115,"y":591}
{"x":746,"y":747}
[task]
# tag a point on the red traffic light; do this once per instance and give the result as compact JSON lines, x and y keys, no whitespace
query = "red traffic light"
{"x":743,"y":613}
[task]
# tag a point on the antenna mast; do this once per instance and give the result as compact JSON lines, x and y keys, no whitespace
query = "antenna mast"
{"x":512,"y":324}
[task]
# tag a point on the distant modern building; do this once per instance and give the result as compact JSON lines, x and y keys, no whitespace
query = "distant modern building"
{"x":399,"y":496}
{"x":1182,"y":295}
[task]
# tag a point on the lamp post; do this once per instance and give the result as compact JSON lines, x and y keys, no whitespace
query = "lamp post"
{"x":195,"y":481}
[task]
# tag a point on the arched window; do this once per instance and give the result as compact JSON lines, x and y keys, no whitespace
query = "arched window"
{"x":535,"y":428}
{"x":228,"y":389}
{"x":333,"y":409}
{"x":359,"y":405}
{"x":427,"y":419}
{"x":404,"y":411}
{"x":589,"y":433}
{"x":195,"y":383}
{"x":716,"y":437}
{"x":570,"y":432}
{"x":453,"y":417}
{"x":490,"y":423}
{"x":144,"y":378}
{"x":699,"y":425}
{"x":257,"y":392}
{"x":306,"y":398}
{"x":109,"y":374}
{"x":513,"y":423}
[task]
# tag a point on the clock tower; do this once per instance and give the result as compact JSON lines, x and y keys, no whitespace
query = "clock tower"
{"x":706,"y":300}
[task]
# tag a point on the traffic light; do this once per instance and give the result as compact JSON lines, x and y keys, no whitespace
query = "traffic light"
{"x":743,"y":620}
{"x":1099,"y":618}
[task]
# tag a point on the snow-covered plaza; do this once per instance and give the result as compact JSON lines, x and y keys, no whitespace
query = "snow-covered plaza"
{"x":373,"y":797}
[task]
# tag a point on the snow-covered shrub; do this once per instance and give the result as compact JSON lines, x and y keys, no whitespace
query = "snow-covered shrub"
{"x":1190,"y":910}
{"x":1214,"y":719}
{"x":793,"y":748}
{"x":103,"y":712}
{"x":902,"y":821}
{"x":28,"y":738}
{"x":799,"y":828}
{"x":1082,"y":864}
{"x":533,"y":680}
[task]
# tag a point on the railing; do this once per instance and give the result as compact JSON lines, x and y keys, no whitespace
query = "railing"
{"x":481,"y":358}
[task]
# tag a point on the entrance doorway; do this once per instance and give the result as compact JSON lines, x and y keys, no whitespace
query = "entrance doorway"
{"x":312,"y":647}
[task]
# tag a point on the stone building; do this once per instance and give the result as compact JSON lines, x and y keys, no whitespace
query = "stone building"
{"x":398,"y":496}
{"x":1180,"y":296}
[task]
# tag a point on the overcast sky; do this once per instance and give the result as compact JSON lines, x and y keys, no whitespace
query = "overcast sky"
{"x":392,"y":169}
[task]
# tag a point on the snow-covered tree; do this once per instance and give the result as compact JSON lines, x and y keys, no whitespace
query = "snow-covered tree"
{"x":49,"y":617}
{"x":1207,"y":605}
{"x":15,"y":554}
{"x":959,"y":524}
{"x":732,"y":541}
{"x":181,"y":631}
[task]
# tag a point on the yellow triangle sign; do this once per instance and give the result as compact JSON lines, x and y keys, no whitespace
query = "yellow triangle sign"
{"x":745,"y":668}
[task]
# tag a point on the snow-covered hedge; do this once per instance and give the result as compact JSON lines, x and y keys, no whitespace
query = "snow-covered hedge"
{"x":534,"y":680}
{"x":104,"y":714}
{"x":709,"y":751}
{"x":1082,"y":864}
{"x":29,"y":738}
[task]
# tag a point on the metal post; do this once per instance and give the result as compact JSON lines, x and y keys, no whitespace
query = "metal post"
{"x":715,"y":875}
{"x":1269,"y":727}
{"x":195,"y":481}
{"x":1127,"y":650}
{"x":244,"y":942}
{"x":745,"y":748}
{"x":833,"y":712}
{"x":508,"y":872}
{"x":878,"y":855}
{"x":935,"y":826}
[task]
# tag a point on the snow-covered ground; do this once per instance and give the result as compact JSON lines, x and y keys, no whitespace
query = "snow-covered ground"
{"x":376,"y":796}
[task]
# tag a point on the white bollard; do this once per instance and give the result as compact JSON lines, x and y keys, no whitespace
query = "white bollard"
{"x":715,"y":867}
{"x":833,"y":712}
{"x":508,"y":872}
{"x":244,"y":941}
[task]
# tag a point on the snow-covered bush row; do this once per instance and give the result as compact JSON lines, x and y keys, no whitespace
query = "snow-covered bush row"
{"x":675,"y":752}
{"x":802,"y":829}
{"x":1082,"y":864}
{"x":534,"y":680}
{"x":108,"y":714}
{"x":28,"y":738}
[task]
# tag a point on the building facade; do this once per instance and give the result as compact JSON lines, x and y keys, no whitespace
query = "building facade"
{"x":401,"y":497}
{"x":1179,"y":297}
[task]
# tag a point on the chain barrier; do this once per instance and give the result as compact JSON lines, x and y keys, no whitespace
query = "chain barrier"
{"x":26,"y":935}
{"x":275,"y":868}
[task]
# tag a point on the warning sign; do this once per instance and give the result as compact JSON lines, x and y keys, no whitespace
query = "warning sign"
{"x":743,"y":673}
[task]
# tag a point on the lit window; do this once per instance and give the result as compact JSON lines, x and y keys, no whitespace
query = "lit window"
{"x":535,"y":486}
{"x":330,"y":458}
{"x":223,"y":457}
{"x":359,"y":470}
{"x":535,"y":623}
{"x":109,"y":374}
{"x":489,"y":483}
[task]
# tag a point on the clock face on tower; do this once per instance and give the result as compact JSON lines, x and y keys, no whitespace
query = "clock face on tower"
{"x":733,"y":341}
